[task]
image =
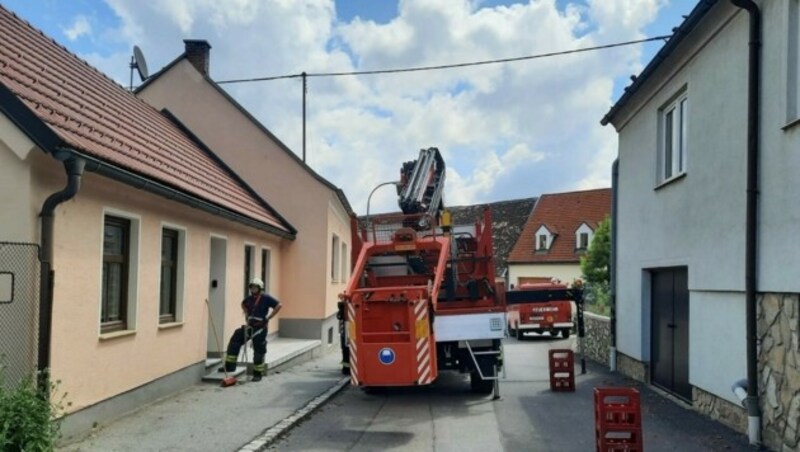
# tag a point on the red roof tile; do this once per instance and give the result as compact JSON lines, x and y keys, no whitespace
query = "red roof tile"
{"x":94,"y":115}
{"x":563,"y":213}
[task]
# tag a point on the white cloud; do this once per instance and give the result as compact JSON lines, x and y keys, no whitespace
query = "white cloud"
{"x":80,"y":27}
{"x":506,"y":131}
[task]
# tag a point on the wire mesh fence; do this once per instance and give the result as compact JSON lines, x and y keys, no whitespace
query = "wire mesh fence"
{"x":381,"y":228}
{"x":19,"y":311}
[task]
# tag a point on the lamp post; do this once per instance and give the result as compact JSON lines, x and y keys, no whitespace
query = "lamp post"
{"x":394,"y":182}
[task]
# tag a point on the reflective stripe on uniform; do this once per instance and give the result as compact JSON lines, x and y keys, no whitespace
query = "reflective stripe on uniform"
{"x":230,"y":358}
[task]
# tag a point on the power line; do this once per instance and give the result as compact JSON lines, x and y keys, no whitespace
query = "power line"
{"x":447,"y":66}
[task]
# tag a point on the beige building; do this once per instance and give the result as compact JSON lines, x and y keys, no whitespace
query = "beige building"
{"x":140,"y":223}
{"x":556,"y":235}
{"x":316,"y":267}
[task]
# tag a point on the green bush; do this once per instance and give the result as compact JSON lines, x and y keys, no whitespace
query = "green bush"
{"x":29,"y":416}
{"x":595,"y":268}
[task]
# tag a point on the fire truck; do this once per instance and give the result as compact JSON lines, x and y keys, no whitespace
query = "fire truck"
{"x":537,"y":308}
{"x":423,"y":297}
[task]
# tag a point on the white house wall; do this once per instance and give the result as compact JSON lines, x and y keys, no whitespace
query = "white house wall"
{"x":717,"y":345}
{"x":697,"y":221}
{"x":779,"y":199}
{"x":565,"y":272}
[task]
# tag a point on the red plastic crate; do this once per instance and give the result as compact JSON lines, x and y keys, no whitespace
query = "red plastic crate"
{"x":562,"y":370}
{"x":618,"y":420}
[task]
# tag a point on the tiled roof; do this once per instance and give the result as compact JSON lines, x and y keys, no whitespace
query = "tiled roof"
{"x":564,"y":213}
{"x":508,"y":219}
{"x":93,"y":115}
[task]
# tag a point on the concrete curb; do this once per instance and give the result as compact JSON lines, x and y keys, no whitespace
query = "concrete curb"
{"x":270,"y":435}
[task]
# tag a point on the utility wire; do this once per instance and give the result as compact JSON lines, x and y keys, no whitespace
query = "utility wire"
{"x":446,"y":66}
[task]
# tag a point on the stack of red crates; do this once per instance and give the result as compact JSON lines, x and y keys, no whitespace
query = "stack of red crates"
{"x":562,"y":370}
{"x":618,"y":420}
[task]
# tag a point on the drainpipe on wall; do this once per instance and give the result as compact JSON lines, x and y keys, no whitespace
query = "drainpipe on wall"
{"x":612,"y":330}
{"x":751,"y":228}
{"x":74,"y":169}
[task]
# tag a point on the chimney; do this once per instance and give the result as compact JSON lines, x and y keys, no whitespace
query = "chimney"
{"x":197,"y":52}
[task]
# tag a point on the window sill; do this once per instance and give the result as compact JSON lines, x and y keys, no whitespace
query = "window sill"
{"x":169,"y":326}
{"x":116,"y":335}
{"x":791,"y":125}
{"x":670,"y":180}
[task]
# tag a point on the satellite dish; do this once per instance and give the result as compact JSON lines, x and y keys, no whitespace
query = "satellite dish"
{"x":139,"y":63}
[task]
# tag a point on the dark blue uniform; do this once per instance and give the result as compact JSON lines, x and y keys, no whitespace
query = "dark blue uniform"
{"x":257,"y":310}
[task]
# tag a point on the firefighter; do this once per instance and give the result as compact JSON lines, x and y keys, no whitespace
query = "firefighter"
{"x":258,"y":308}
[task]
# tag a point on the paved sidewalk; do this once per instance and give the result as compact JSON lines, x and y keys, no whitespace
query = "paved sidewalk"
{"x":207,"y":417}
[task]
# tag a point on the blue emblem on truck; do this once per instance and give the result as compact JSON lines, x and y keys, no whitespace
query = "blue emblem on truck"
{"x":386,"y":356}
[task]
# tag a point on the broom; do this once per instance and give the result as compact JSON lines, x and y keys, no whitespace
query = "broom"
{"x":227,"y":381}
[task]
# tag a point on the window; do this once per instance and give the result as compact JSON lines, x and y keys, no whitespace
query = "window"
{"x":345,"y":268}
{"x":248,"y":268}
{"x":793,"y":64}
{"x":169,"y":276}
{"x":266,"y":258}
{"x":583,"y":242}
{"x":673,"y":146}
{"x":542,"y":242}
{"x":335,"y":258}
{"x":116,"y":258}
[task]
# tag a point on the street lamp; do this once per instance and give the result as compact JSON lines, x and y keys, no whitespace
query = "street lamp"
{"x":394,"y":182}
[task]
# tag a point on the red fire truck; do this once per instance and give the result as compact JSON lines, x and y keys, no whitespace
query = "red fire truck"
{"x":536,"y":308}
{"x":423,"y":297}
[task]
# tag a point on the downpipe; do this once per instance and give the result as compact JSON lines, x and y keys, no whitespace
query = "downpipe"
{"x":751,"y":225}
{"x":74,"y":167}
{"x":612,"y":322}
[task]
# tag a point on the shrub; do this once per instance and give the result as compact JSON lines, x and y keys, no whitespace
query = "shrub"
{"x":29,"y":416}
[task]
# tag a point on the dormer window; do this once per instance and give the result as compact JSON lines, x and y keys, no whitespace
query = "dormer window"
{"x":583,"y":242}
{"x":583,"y":237}
{"x":543,"y":239}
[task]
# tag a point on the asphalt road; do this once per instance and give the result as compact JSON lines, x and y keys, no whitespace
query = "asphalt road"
{"x":528,"y":417}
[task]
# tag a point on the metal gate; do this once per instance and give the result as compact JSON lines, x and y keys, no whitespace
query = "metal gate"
{"x":19,"y":311}
{"x":670,"y":327}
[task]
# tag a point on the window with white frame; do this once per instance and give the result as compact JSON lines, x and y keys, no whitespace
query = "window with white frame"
{"x":543,"y":239}
{"x":345,"y":268}
{"x":335,"y":260}
{"x":266,"y":263}
{"x":583,"y":237}
{"x":119,"y":274}
{"x":249,"y":257}
{"x":542,"y":243}
{"x":793,"y":63}
{"x":673,"y":145}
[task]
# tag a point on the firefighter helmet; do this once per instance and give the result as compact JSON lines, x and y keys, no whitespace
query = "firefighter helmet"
{"x":257,"y":282}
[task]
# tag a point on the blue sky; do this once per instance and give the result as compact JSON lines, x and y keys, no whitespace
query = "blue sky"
{"x":544,"y":134}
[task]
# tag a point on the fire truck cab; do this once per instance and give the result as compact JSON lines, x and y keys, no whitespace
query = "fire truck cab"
{"x":539,"y":308}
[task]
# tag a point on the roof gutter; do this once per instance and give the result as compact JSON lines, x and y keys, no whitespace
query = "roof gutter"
{"x":142,"y":183}
{"x":751,"y":228}
{"x":697,"y":14}
{"x":74,"y":166}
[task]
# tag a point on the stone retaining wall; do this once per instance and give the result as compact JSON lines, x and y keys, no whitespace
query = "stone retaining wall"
{"x":597,"y":338}
{"x":779,"y":370}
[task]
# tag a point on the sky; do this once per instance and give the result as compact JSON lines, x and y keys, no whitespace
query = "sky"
{"x":506,"y":131}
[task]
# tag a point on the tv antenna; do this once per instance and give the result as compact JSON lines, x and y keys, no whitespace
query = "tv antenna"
{"x":138,"y":63}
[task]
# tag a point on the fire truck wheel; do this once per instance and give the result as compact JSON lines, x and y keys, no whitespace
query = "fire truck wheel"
{"x":520,"y":334}
{"x":479,"y":385}
{"x":565,"y":333}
